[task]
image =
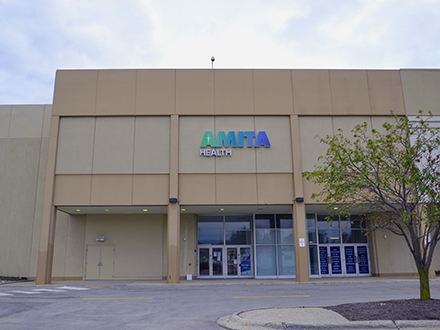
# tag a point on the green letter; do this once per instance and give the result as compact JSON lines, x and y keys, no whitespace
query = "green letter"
{"x":208,"y":140}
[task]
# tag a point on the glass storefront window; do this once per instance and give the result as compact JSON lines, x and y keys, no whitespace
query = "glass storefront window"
{"x":210,"y":223}
{"x":285,"y":236}
{"x":284,"y":221}
{"x":310,"y":219}
{"x":328,"y":236}
{"x":210,"y":237}
{"x":324,"y":224}
{"x":359,"y":236}
{"x":264,"y":221}
{"x":265,"y":236}
{"x":238,"y":237}
{"x":313,"y":260}
{"x":286,"y":260}
{"x":266,"y":261}
{"x":238,"y":222}
{"x":311,"y":236}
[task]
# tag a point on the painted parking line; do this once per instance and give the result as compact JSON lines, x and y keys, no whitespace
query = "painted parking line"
{"x":48,"y":290}
{"x":5,"y":294}
{"x":72,"y":288}
{"x":287,"y":296}
{"x":96,"y":285}
{"x":117,"y":298}
{"x":63,"y":289}
{"x":26,"y":292}
{"x":4,"y":320}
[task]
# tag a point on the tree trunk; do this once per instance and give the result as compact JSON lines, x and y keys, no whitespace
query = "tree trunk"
{"x":425,"y":293}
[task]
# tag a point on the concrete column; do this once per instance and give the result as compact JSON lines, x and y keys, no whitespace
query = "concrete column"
{"x":300,"y":237}
{"x":299,"y":209}
{"x":47,"y":234}
{"x":173,"y":222}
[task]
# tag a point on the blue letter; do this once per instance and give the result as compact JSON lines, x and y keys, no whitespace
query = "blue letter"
{"x":262,"y":140}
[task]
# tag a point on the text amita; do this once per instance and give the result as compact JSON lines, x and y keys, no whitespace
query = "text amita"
{"x":222,"y":145}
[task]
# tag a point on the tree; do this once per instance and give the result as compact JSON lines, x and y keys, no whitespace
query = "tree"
{"x":392,"y":176}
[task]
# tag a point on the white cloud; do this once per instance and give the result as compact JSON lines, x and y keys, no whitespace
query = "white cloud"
{"x":39,"y":37}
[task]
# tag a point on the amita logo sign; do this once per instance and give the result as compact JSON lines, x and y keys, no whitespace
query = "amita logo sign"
{"x":222,"y":145}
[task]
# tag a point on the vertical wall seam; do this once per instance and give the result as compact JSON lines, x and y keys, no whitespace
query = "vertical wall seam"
{"x":175,"y":92}
{"x":45,"y":260}
{"x":403,"y":92}
{"x":67,"y":245}
{"x":133,"y":158}
{"x":256,"y":163}
{"x":215,"y":120}
{"x":34,"y":220}
{"x":96,"y":92}
{"x":135,"y":91}
{"x":134,"y":135}
{"x":93,"y":159}
{"x":291,"y":91}
{"x":253,"y":92}
{"x":369,"y":92}
{"x":10,"y":121}
{"x":331,"y":92}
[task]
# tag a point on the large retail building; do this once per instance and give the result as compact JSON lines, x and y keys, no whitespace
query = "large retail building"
{"x":173,"y":174}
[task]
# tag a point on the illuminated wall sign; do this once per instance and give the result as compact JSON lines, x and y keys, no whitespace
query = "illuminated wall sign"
{"x":222,"y":145}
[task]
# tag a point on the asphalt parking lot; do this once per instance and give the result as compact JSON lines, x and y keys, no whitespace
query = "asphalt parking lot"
{"x":191,"y":305}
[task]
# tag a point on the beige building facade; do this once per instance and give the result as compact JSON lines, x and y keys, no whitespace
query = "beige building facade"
{"x":179,"y":174}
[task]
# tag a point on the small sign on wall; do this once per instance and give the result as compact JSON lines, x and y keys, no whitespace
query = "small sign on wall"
{"x":302,"y":242}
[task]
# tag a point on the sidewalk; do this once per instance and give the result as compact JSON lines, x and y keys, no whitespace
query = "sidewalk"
{"x":310,"y":318}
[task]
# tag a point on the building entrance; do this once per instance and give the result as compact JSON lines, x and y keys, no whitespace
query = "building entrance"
{"x":100,"y":262}
{"x":338,"y":247}
{"x":225,"y":262}
{"x":344,"y":260}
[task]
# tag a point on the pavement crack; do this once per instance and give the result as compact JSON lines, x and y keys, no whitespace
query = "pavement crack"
{"x":394,"y":322}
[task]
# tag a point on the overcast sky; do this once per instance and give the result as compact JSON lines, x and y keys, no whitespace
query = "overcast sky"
{"x":37,"y":37}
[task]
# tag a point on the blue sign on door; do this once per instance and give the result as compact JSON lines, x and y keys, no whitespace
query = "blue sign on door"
{"x":363,"y":260}
{"x":350,"y":262}
{"x":335,"y":253}
{"x":323,"y":260}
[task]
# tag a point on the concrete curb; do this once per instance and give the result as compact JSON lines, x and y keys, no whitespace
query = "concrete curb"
{"x":310,"y":318}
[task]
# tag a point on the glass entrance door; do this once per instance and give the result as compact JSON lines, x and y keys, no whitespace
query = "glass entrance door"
{"x":245,"y":262}
{"x":239,"y":261}
{"x":356,"y":260}
{"x":225,"y":261}
{"x":204,"y":262}
{"x":232,"y":261}
{"x":330,"y":260}
{"x":344,"y":260}
{"x":210,"y":262}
